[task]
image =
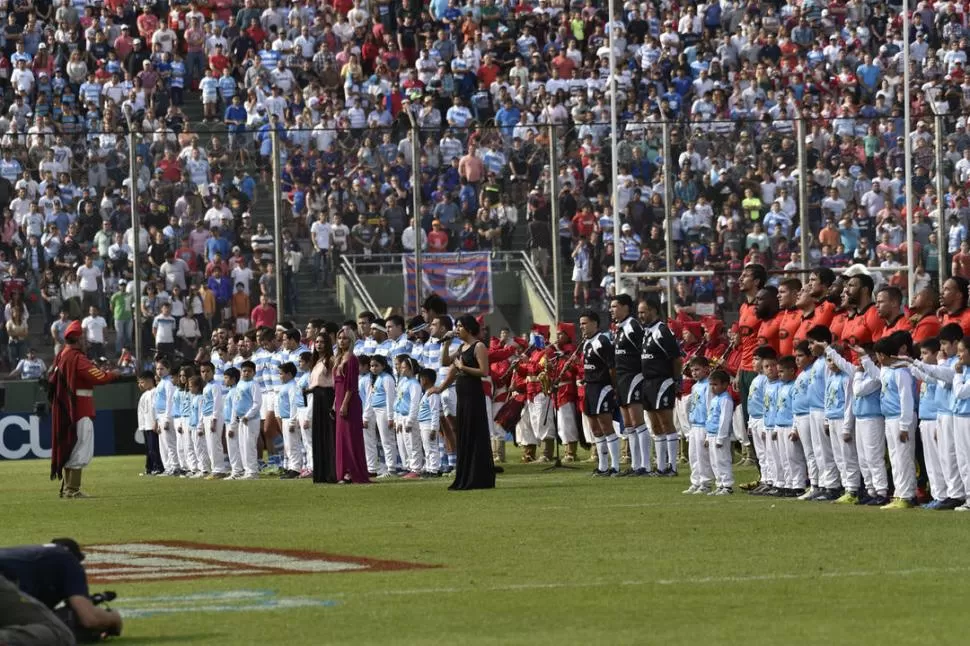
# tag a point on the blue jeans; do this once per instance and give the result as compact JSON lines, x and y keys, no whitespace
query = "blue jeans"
{"x":195,"y":65}
{"x":123,"y":330}
{"x":322,"y":265}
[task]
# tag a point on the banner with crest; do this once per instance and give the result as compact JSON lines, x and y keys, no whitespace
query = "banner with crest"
{"x":464,"y":280}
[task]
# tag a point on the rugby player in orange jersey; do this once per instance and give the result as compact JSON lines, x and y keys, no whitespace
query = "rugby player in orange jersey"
{"x":826,"y":289}
{"x":862,"y":325}
{"x":752,"y":279}
{"x":889,"y":306}
{"x":953,"y":302}
{"x":807,"y":307}
{"x":924,"y":322}
{"x":790,"y":317}
{"x":766,"y":304}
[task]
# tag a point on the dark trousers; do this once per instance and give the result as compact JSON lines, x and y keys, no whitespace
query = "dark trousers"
{"x":153,"y":455}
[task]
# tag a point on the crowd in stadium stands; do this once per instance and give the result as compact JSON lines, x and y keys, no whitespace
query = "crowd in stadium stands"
{"x":335,"y":80}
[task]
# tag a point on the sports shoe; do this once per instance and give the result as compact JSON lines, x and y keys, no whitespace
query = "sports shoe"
{"x":602,"y":474}
{"x":878,"y":501}
{"x":902,"y":503}
{"x":773,"y":492}
{"x":848,"y":498}
{"x":724,"y":491}
{"x":825,"y":495}
{"x":690,"y":490}
{"x":248,"y":476}
{"x":195,"y":475}
{"x":642,"y":472}
{"x":626,"y":473}
{"x":713,"y":492}
{"x":411,"y":475}
{"x":290,"y":475}
{"x":933,"y":505}
{"x":387,"y":476}
{"x":669,"y":473}
{"x":964,"y":507}
{"x":703,"y":491}
{"x":950,"y":503}
{"x":809,"y":494}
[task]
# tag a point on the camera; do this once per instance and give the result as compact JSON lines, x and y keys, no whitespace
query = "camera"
{"x":86,"y":635}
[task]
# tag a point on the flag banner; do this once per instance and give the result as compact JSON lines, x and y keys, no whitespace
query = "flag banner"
{"x":464,"y":280}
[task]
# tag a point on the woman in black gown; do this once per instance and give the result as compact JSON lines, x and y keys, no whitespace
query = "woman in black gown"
{"x":324,"y":469}
{"x":475,"y":469}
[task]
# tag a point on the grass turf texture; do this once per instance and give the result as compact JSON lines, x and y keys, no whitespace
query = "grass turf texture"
{"x":546,"y":558}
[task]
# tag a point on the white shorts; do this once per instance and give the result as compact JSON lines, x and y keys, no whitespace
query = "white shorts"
{"x":267,"y":404}
{"x":449,"y":402}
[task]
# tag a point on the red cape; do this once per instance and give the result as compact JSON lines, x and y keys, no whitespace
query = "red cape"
{"x":60,"y":393}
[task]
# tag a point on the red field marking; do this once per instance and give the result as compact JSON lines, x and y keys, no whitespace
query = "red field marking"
{"x":179,"y":560}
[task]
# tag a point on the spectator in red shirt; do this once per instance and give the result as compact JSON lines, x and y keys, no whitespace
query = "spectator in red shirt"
{"x":264,"y":314}
{"x":583,"y":223}
{"x":438,"y":238}
{"x":961,"y":261}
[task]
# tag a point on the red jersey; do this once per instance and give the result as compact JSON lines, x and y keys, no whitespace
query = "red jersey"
{"x":838,"y":325}
{"x":961,"y":317}
{"x":863,"y":327}
{"x":748,"y":327}
{"x":789,"y":322}
{"x":805,"y":323}
{"x":925,"y":327}
{"x":770,"y":332}
{"x":901,"y":324}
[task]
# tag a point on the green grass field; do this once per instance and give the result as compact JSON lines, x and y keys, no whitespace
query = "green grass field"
{"x":546,"y":558}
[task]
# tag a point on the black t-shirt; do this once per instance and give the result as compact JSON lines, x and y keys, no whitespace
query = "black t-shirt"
{"x":628,"y":343}
{"x":659,"y":351}
{"x":49,"y":573}
{"x":597,"y":359}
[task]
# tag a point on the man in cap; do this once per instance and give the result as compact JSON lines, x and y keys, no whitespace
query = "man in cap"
{"x":71,"y":393}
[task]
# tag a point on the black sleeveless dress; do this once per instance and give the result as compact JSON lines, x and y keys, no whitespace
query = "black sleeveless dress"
{"x":475,"y":469}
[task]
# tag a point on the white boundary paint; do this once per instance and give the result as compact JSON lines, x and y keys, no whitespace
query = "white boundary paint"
{"x":229,"y":601}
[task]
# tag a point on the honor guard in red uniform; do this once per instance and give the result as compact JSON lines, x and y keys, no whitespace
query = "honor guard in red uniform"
{"x":566,"y":392}
{"x":499,"y":373}
{"x":71,"y":392}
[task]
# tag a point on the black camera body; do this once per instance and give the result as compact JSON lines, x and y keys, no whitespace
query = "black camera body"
{"x":85,"y":635}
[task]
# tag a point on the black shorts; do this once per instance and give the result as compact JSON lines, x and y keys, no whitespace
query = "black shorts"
{"x":628,"y":388}
{"x":659,"y":393}
{"x":599,"y":400}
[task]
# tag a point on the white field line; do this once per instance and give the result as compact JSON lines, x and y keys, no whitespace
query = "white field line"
{"x":754,"y":578}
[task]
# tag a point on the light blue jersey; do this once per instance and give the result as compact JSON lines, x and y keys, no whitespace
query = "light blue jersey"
{"x":756,"y":397}
{"x":783,"y":404}
{"x":697,"y":404}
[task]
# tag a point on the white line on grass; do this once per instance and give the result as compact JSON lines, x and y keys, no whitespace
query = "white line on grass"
{"x":715,"y":580}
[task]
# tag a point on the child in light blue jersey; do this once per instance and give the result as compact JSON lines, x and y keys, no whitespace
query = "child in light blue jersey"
{"x":822,"y":458}
{"x":164,"y":425}
{"x":898,"y":403}
{"x":870,"y":428}
{"x":771,"y":470}
{"x":927,"y":414}
{"x":305,"y":413}
{"x":961,"y":413}
{"x":211,"y":420}
{"x":798,"y":455}
{"x":794,"y":473}
{"x":720,"y":415}
{"x":756,"y":416}
{"x":246,"y":408}
{"x":230,"y":378}
{"x":288,"y":408}
{"x":381,"y":403}
{"x":406,"y":406}
{"x":944,"y":371}
{"x":429,"y":420}
{"x":196,"y":435}
{"x":701,"y":474}
{"x":839,"y":420}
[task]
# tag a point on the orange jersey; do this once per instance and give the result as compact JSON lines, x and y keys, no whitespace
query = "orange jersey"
{"x":749,"y":326}
{"x":962,"y":318}
{"x":770,"y":332}
{"x":824,"y":313}
{"x":789,"y":321}
{"x":901,"y":324}
{"x":838,"y":325}
{"x":926,"y":327}
{"x":805,"y":323}
{"x":864,"y":327}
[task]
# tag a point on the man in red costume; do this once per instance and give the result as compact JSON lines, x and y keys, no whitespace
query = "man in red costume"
{"x":565,"y":386}
{"x":71,"y":392}
{"x":497,"y":388}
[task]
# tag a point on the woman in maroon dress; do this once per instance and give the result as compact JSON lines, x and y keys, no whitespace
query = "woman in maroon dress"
{"x":351,"y":460}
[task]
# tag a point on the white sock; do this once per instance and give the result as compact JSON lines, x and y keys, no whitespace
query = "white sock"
{"x":673,"y":448}
{"x":660,"y":444}
{"x":602,"y":452}
{"x":646,"y":446}
{"x":631,"y":440}
{"x":613,"y":446}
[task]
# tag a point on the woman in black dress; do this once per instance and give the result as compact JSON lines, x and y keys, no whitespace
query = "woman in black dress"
{"x":475,"y":469}
{"x":324,"y":466}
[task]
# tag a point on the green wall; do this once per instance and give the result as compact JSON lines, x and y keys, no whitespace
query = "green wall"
{"x":23,"y":395}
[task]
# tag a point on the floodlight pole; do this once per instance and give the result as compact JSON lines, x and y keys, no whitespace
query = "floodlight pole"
{"x":554,"y":224}
{"x":135,"y":243}
{"x":277,"y":219}
{"x":940,"y":211}
{"x":908,"y":156}
{"x":802,"y":191}
{"x":614,"y":165}
{"x":668,"y":215}
{"x":416,"y":208}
